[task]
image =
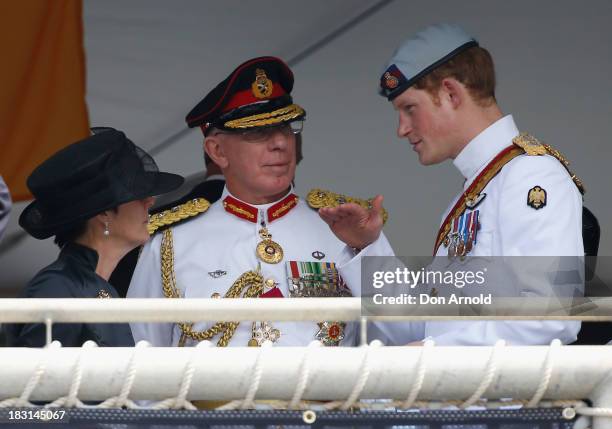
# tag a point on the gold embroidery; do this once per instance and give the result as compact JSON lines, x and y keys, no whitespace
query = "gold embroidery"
{"x":529,"y":144}
{"x":240,"y":210}
{"x":318,"y":198}
{"x":281,"y":115}
{"x":533,"y":146}
{"x":176,"y":214}
{"x":563,"y":160}
{"x":284,"y":208}
{"x":262,"y":87}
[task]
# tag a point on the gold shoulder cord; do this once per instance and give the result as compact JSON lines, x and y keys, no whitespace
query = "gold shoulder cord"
{"x":532,"y":146}
{"x":318,"y":198}
{"x":252,"y":281}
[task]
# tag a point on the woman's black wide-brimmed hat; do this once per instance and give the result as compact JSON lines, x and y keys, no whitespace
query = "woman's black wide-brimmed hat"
{"x":88,"y":177}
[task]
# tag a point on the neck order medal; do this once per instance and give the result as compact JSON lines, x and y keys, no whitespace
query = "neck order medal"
{"x":267,"y":250}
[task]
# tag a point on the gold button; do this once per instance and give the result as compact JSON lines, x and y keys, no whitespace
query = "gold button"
{"x":270,"y":283}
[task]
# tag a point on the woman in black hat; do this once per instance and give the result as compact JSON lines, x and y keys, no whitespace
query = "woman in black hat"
{"x":93,"y":196}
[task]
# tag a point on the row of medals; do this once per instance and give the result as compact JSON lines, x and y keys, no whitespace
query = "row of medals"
{"x":269,"y":251}
{"x":457,"y":245}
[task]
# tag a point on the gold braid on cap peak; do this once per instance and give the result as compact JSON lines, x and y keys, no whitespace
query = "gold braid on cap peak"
{"x":318,"y":198}
{"x":177,"y":214}
{"x":262,"y":119}
{"x":532,"y":146}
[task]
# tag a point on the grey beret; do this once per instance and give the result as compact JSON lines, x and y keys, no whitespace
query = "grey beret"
{"x":420,"y":54}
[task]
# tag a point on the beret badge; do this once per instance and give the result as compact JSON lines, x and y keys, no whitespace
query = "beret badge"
{"x":262,"y":87}
{"x":391,"y":81}
{"x":392,"y":78}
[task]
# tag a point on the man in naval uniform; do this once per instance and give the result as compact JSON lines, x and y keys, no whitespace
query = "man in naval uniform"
{"x":260,"y":239}
{"x":518,"y":198}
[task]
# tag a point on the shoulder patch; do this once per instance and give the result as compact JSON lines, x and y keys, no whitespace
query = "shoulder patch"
{"x":533,"y":146}
{"x":318,"y":198}
{"x":536,"y":197}
{"x":160,"y":221}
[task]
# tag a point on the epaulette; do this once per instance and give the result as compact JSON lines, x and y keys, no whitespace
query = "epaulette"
{"x":160,"y":221}
{"x":532,"y":146}
{"x":318,"y":198}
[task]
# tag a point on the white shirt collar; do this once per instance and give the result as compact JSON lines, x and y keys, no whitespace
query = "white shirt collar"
{"x":478,"y":152}
{"x":214,"y":177}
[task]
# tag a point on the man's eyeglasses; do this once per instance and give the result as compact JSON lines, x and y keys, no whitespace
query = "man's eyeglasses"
{"x":262,"y":134}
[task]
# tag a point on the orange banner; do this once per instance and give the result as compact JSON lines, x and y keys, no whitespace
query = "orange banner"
{"x":42,"y":85}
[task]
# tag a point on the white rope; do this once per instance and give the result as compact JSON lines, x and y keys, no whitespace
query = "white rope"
{"x":248,"y":402}
{"x":72,"y":400}
{"x":546,"y":374}
{"x":303,"y":377}
{"x":364,"y":374}
{"x":595,"y":411}
{"x":23,"y":400}
{"x":420,"y":375}
{"x":490,"y":372}
{"x":180,"y":400}
{"x":122,"y":400}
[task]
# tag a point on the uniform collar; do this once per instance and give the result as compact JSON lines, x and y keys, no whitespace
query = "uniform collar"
{"x":485,"y":146}
{"x":82,"y":254}
{"x":272,"y":211}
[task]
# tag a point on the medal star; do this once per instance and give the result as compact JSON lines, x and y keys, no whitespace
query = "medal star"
{"x":330,"y":333}
{"x":266,"y":332}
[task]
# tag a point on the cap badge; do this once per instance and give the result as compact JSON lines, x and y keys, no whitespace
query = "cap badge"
{"x":392,"y":78}
{"x":391,"y":81}
{"x":262,"y":86}
{"x":536,"y":198}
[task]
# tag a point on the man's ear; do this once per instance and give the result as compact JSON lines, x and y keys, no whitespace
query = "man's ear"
{"x":453,"y":91}
{"x":214,"y":148}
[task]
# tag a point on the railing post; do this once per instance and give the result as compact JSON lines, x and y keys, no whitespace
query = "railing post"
{"x":363,"y":339}
{"x":48,"y":330}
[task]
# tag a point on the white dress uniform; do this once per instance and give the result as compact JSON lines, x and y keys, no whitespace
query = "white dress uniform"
{"x":215,"y":248}
{"x":509,"y":226}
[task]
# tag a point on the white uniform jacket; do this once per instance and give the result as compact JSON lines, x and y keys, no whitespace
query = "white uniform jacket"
{"x":213,"y":249}
{"x":509,"y":226}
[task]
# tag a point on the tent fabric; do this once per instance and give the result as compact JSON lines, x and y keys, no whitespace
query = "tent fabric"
{"x":42,"y":98}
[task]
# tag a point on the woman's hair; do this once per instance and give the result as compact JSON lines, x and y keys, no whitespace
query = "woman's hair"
{"x":473,"y":68}
{"x":74,"y":231}
{"x":71,"y":234}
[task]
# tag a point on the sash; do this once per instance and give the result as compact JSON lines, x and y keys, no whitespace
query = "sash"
{"x":471,"y":193}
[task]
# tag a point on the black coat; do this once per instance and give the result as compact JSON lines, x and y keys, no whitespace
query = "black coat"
{"x":72,"y":275}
